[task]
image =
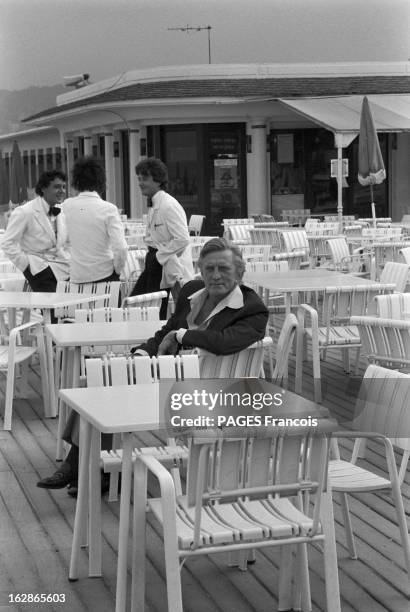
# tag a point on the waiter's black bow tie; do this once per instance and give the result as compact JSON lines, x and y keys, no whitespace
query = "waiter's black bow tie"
{"x":149,"y":202}
{"x":54,"y":211}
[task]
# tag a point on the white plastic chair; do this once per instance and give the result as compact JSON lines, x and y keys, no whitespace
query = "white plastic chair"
{"x":296,"y":240}
{"x":393,"y":306}
{"x":385,"y":342}
{"x":13,"y":353}
{"x":382,"y":415}
{"x":333,"y":329}
{"x":111,"y":288}
{"x":238,"y":499}
{"x":112,"y":371}
{"x":396,"y":273}
{"x":195,"y":224}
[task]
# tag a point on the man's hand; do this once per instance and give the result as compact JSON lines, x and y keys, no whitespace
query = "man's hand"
{"x":169,"y":344}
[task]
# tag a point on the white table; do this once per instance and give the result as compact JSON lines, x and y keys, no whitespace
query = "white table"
{"x":300,"y":281}
{"x":32,"y":300}
{"x":126,"y":410}
{"x":123,"y":409}
{"x":70,"y":338}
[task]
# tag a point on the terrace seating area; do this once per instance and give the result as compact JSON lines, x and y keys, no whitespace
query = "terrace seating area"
{"x":256,"y":500}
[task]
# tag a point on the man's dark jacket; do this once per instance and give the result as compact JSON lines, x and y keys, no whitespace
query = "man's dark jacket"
{"x":229,"y":331}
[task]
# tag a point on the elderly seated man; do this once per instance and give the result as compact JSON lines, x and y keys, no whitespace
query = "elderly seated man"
{"x":217,"y":314}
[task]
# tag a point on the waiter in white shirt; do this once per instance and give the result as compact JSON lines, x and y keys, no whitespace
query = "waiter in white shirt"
{"x":36,"y":236}
{"x":95,"y":232}
{"x":168,"y":263}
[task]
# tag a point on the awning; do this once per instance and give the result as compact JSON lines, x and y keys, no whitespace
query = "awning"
{"x":341,"y":115}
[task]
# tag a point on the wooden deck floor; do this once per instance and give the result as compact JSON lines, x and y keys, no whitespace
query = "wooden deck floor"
{"x":36,"y":530}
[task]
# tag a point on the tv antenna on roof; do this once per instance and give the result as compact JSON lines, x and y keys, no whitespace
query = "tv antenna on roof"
{"x":188,"y":29}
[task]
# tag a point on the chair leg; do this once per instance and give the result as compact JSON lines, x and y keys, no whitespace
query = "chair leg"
{"x":285,"y":578}
{"x":330,"y":554}
{"x":316,"y":371}
{"x":401,"y":519}
{"x":139,"y":538}
{"x":8,"y":405}
{"x":348,"y":526}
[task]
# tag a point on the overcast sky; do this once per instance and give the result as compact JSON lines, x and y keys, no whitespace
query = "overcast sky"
{"x":43,"y":40}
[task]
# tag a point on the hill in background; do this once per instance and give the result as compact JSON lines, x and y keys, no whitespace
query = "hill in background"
{"x":17,"y":105}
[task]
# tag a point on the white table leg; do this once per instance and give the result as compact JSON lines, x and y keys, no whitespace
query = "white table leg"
{"x":123,"y":538}
{"x":94,"y":533}
{"x":50,"y":407}
{"x":81,"y":507}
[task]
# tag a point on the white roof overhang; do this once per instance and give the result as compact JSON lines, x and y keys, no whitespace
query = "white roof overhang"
{"x":341,"y":115}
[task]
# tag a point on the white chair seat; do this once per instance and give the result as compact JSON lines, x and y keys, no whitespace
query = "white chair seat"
{"x":21,"y":354}
{"x":348,"y":477}
{"x":343,"y":334}
{"x":227,"y":523}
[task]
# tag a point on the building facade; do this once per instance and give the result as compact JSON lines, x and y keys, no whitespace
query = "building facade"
{"x":237,"y":139}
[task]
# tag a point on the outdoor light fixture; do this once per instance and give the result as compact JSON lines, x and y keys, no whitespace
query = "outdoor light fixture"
{"x":77,"y":80}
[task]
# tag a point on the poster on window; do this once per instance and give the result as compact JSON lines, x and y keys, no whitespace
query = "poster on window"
{"x":226,"y":173}
{"x":285,"y":149}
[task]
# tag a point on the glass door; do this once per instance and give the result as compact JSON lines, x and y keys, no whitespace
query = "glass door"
{"x":226,"y":180}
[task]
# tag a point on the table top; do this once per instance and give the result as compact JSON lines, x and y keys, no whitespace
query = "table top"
{"x":305,"y":280}
{"x":129,"y":408}
{"x":83,"y":334}
{"x":35,"y":299}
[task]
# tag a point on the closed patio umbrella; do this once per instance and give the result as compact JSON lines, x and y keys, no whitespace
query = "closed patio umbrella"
{"x":18,"y":185}
{"x":371,"y":164}
{"x":4,"y":183}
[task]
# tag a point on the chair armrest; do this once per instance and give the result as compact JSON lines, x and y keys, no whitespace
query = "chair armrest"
{"x":16,"y":330}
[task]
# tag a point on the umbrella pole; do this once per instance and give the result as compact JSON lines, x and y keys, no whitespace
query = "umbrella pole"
{"x":339,"y":189}
{"x":372,"y":205}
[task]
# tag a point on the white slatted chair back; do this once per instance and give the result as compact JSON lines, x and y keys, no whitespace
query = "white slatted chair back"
{"x":200,"y":239}
{"x":296,"y":240}
{"x":294,"y":259}
{"x":117,"y":315}
{"x":353,"y":231}
{"x":405,"y":254}
{"x":387,"y":251}
{"x":323,"y":229}
{"x":18,"y":284}
{"x":239,"y":234}
{"x":264,"y":235}
{"x":134,"y":370}
{"x":397,"y":273}
{"x":145,"y":299}
{"x":254,"y":252}
{"x":195,"y":224}
{"x":393,"y":306}
{"x":111,"y":288}
{"x":8,"y":266}
{"x":371,"y":235}
{"x":280,"y":266}
{"x":246,"y":363}
{"x":385,"y":342}
{"x":342,"y":303}
{"x":311,"y":224}
{"x":338,"y":249}
{"x":297,"y":216}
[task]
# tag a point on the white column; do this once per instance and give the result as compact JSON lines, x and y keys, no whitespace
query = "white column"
{"x":70,"y":162}
{"x":136,"y":199}
{"x":109,"y":166}
{"x":257,"y":171}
